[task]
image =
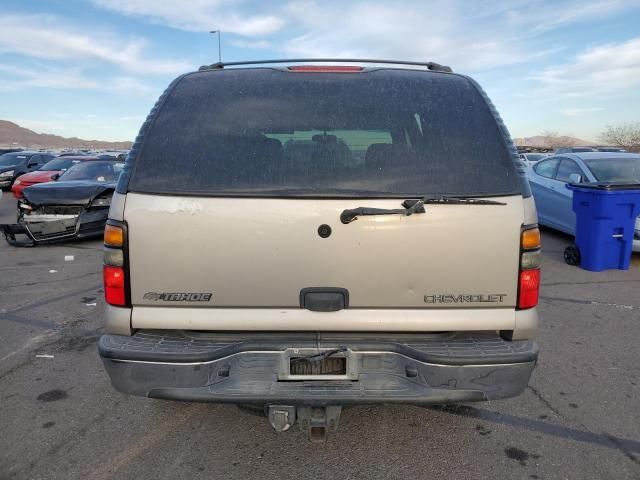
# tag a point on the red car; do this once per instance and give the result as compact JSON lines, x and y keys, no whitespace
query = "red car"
{"x":47,"y":173}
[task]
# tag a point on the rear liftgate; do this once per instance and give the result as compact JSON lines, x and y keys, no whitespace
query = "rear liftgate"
{"x":306,"y":365}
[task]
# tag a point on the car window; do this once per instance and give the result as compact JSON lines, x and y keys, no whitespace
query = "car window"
{"x":384,"y":133}
{"x":566,"y":168}
{"x":546,"y":168}
{"x":22,"y":159}
{"x":97,"y":171}
{"x":35,"y":159}
{"x":615,"y":169}
{"x":8,"y":159}
{"x":60,"y":163}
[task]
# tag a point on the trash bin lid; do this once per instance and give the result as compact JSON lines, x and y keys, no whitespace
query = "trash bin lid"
{"x":606,"y":186}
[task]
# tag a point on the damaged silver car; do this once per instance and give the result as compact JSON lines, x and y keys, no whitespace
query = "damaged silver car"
{"x":75,"y":206}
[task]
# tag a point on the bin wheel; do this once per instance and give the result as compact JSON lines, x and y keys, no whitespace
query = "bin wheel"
{"x":572,"y":255}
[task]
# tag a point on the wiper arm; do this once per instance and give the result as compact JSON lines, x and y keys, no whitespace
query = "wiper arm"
{"x":349,"y":215}
{"x":412,"y":206}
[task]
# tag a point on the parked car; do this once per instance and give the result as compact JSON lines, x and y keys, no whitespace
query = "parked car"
{"x":119,"y":154}
{"x":549,"y":177}
{"x":531,"y":158}
{"x":611,"y":149}
{"x":251,"y":259}
{"x":574,"y":150}
{"x":74,"y":206}
{"x":72,"y":154}
{"x":10,"y":150}
{"x":48,"y":172}
{"x":14,"y":164}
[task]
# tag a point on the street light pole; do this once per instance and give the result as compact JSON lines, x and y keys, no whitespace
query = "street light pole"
{"x":219,"y":40}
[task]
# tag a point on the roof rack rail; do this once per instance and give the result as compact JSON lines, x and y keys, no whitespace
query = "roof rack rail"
{"x":436,"y":67}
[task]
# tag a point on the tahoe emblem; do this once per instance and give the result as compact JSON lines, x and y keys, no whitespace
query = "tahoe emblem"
{"x":178,"y":297}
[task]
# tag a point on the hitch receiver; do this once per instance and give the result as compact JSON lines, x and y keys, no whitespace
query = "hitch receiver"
{"x":317,"y":422}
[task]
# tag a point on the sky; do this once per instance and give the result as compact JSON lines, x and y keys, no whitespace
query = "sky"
{"x":94,"y":68}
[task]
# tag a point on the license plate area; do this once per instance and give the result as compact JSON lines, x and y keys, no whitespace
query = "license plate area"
{"x":325,"y":366}
{"x":310,"y":364}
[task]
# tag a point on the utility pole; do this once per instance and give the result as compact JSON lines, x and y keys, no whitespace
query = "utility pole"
{"x":219,"y":48}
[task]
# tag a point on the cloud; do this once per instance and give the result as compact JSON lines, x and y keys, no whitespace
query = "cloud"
{"x":579,"y":112}
{"x":40,"y":76}
{"x":470,"y":36}
{"x":46,"y":37}
{"x":44,"y":78}
{"x":537,"y":17}
{"x":441,"y":31}
{"x":197,"y":15}
{"x":608,"y":69}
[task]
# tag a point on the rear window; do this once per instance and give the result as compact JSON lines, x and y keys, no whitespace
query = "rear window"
{"x":381,"y":133}
{"x":97,"y":171}
{"x":58,"y":164}
{"x":615,"y":169}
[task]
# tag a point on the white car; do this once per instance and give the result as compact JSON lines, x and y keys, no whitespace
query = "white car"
{"x":532,"y":158}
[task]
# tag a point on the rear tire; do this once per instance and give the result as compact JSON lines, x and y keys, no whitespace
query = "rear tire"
{"x":572,"y":255}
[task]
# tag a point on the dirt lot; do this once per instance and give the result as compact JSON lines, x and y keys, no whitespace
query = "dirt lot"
{"x":60,"y":418}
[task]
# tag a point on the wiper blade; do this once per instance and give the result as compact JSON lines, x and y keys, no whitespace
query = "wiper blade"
{"x":350,"y":214}
{"x":443,"y":199}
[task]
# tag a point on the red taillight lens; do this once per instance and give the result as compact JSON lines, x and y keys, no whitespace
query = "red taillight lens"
{"x":529,"y":288}
{"x":326,"y":68}
{"x":114,"y":285}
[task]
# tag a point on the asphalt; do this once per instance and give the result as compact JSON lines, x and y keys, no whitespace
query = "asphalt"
{"x":60,"y":418}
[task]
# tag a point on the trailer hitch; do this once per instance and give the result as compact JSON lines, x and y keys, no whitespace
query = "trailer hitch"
{"x":317,"y":422}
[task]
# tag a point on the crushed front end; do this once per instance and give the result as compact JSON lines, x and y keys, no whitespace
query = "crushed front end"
{"x":50,"y":223}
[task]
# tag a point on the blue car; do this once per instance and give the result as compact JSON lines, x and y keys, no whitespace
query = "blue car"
{"x":549,"y":177}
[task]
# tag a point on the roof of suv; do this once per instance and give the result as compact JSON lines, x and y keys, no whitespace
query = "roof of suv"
{"x":378,"y":63}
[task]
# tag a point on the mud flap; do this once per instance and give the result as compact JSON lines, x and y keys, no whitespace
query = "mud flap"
{"x":9,"y":231}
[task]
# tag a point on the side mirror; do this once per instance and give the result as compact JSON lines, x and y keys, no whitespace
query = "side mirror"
{"x":55,"y":177}
{"x":575,"y":178}
{"x":31,"y":165}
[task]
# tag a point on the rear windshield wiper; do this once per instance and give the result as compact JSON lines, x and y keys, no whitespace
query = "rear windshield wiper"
{"x":444,"y":199}
{"x":412,"y":206}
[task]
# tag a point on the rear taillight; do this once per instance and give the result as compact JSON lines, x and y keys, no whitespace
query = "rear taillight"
{"x":529,"y":274}
{"x":114,"y":286}
{"x":114,"y":269}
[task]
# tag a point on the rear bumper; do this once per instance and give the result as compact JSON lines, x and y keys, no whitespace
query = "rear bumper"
{"x":414,"y":369}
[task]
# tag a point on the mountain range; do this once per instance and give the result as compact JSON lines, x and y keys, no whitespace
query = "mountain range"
{"x":13,"y":135}
{"x":547,"y":141}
